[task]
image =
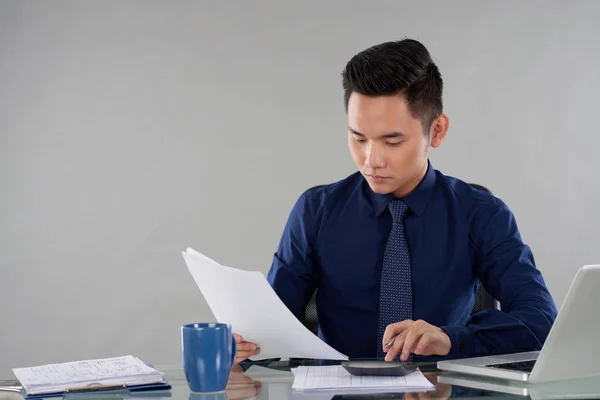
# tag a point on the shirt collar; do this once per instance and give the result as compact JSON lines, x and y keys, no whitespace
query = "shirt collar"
{"x":416,"y":201}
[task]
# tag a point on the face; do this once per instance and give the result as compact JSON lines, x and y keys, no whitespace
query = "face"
{"x":388,"y":144}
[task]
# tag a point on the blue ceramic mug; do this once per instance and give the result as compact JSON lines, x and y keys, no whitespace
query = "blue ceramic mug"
{"x":208,"y":355}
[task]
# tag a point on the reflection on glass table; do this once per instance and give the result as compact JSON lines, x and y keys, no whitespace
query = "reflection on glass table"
{"x":273,"y":380}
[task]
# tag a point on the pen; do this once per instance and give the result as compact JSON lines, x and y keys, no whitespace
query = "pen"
{"x":390,"y":343}
{"x":10,"y":386}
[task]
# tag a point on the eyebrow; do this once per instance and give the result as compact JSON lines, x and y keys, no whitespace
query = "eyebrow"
{"x":390,"y":135}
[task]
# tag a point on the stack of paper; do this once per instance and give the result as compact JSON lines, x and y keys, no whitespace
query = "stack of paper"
{"x":247,"y":302}
{"x":270,"y":375}
{"x":109,"y":373}
{"x":335,"y":377}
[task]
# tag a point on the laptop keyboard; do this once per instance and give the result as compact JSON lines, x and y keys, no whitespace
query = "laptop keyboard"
{"x":524,"y":366}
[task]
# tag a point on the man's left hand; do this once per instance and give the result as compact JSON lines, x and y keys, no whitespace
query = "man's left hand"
{"x":417,"y":337}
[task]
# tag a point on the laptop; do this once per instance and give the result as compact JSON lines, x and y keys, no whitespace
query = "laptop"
{"x":572,"y":349}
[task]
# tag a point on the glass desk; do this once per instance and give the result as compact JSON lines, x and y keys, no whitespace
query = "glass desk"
{"x":274,"y":381}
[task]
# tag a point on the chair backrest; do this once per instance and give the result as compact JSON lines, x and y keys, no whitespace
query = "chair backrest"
{"x":483,"y":299}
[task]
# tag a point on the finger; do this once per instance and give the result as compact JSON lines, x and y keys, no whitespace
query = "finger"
{"x":431,"y":377}
{"x":394,"y":329}
{"x":412,"y":338}
{"x":238,"y":338}
{"x":411,"y":396}
{"x":236,"y":369}
{"x":423,"y":396}
{"x":238,"y":379}
{"x":252,"y":352}
{"x":422,"y":348}
{"x":244,"y":354}
{"x":247,"y":346}
{"x":245,"y":393}
{"x":443,"y":391}
{"x":393,"y":351}
{"x":240,"y":385}
{"x":393,"y":332}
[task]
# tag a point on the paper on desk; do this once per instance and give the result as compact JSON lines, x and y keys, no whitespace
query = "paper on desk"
{"x":50,"y":378}
{"x":246,"y":301}
{"x":335,"y":377}
{"x":259,"y":373}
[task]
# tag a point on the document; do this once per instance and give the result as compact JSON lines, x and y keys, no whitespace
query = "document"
{"x":246,"y":301}
{"x":271,"y":375}
{"x":335,"y":377}
{"x":104,"y":373}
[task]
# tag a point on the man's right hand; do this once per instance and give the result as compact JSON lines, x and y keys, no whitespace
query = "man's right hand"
{"x":244,"y":349}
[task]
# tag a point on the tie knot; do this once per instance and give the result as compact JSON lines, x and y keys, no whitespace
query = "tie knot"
{"x":397,"y":208}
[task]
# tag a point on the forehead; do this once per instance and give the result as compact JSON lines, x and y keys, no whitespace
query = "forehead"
{"x":380,"y":115}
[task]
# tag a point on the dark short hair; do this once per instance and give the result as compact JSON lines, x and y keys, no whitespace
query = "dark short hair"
{"x":401,"y":67}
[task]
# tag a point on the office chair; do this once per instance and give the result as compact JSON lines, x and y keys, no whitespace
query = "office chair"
{"x":483,"y":299}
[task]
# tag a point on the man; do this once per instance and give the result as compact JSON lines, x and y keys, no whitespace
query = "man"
{"x":397,"y":250}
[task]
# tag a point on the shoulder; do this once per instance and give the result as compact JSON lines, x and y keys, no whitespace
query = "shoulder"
{"x":320,"y":195}
{"x":475,"y":201}
{"x":318,"y":202}
{"x":466,"y":194}
{"x":488,"y":217}
{"x":326,"y":200}
{"x":351,"y":182}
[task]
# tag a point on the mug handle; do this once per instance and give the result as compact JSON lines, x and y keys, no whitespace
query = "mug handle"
{"x":234,"y":352}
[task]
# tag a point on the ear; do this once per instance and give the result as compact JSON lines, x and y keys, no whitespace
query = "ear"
{"x":438,"y":130}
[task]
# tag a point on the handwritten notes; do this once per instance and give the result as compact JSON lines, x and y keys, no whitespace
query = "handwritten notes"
{"x":77,"y":375}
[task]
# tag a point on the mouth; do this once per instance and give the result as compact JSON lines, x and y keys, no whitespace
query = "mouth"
{"x":377,"y":178}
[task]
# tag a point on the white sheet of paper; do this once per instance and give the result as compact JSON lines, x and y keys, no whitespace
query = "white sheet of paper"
{"x":335,"y":377}
{"x":246,"y":301}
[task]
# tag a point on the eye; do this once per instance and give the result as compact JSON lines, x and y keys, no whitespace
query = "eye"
{"x":360,"y":140}
{"x":394,"y":144}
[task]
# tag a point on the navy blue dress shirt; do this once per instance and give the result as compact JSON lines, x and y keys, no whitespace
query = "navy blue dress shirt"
{"x":459,"y":237}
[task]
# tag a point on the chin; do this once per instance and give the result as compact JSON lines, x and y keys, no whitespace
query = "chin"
{"x":380,"y":189}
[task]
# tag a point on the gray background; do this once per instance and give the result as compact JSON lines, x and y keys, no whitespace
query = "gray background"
{"x":130,"y":130}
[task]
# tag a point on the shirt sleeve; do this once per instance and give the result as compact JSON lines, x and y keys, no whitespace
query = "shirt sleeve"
{"x":293,"y":274}
{"x":507,"y":270}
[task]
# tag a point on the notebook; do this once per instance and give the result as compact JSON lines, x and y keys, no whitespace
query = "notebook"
{"x":125,"y":373}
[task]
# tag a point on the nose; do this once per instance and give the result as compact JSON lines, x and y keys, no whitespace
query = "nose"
{"x":374,"y":157}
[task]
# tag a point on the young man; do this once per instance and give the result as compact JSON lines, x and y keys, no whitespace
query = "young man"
{"x":397,"y":250}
